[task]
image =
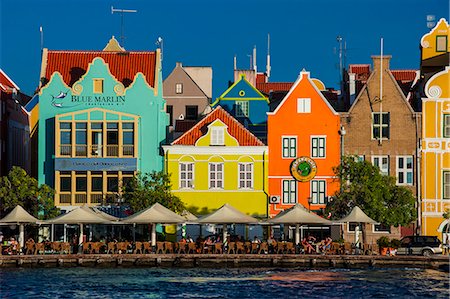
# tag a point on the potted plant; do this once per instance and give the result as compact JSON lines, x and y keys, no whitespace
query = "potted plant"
{"x":383,"y":244}
{"x":395,"y":244}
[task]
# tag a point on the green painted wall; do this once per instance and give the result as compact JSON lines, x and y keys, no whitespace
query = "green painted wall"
{"x":138,"y":99}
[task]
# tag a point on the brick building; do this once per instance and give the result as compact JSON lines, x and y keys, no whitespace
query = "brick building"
{"x":381,"y":127}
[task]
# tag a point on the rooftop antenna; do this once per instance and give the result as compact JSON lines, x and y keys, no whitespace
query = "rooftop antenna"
{"x":160,"y":44}
{"x":250,"y":56}
{"x":268,"y":57}
{"x":42,"y":38}
{"x":254,"y":59}
{"x":339,"y":39}
{"x":431,"y":21}
{"x":122,"y":11}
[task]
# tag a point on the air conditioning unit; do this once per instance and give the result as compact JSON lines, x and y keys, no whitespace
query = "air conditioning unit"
{"x":274,"y":199}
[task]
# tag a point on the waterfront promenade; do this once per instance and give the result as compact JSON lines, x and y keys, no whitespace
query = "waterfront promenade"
{"x":224,"y":261}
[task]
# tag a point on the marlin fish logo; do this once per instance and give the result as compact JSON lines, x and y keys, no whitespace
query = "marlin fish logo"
{"x":60,"y":96}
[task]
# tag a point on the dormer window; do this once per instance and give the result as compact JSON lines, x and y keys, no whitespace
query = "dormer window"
{"x":217,"y":136}
{"x":97,"y":85}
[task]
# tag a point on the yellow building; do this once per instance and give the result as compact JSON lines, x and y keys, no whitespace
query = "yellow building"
{"x":435,"y":150}
{"x":219,"y":161}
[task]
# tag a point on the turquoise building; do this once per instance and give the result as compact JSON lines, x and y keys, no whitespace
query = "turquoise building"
{"x":248,"y":105}
{"x":100,"y":119}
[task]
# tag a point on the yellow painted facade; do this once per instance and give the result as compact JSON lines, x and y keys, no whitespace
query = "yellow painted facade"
{"x":436,"y":154}
{"x":204,"y":186}
{"x":437,"y":42}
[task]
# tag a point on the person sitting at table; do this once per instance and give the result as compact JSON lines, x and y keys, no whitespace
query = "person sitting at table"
{"x":218,"y":240}
{"x":189,"y":239}
{"x":307,"y":246}
{"x":311,"y":239}
{"x":183,"y":240}
{"x":256,"y":240}
{"x":13,"y":246}
{"x":326,"y":244}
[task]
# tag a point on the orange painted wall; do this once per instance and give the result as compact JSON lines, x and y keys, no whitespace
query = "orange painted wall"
{"x":285,"y":121}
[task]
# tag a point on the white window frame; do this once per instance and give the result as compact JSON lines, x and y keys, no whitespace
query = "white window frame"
{"x":446,"y":184}
{"x":444,"y":49}
{"x":242,"y":108}
{"x":216,"y":182}
{"x":404,"y":170}
{"x":292,"y":150}
{"x":186,"y":182}
{"x":179,"y":88}
{"x":304,"y":105}
{"x":289,"y":194}
{"x":318,"y":192}
{"x":247,"y":181}
{"x":381,"y":125}
{"x":318,"y":151}
{"x":380,"y":231}
{"x":217,"y":136}
{"x":383,"y":170}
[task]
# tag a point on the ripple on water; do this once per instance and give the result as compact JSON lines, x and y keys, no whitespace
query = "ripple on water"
{"x":221,"y":283}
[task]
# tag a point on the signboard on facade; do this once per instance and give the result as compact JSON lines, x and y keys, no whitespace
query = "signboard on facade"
{"x":96,"y":164}
{"x":303,"y":169}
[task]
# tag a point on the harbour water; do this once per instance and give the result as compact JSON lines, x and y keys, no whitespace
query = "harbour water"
{"x":222,"y":283}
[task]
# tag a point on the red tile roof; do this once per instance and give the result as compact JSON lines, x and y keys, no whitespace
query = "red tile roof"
{"x":123,"y":65}
{"x":404,"y":75}
{"x":274,"y":86}
{"x":235,"y":129}
{"x":362,"y":71}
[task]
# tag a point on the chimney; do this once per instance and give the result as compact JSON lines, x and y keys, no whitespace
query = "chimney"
{"x":352,"y":87}
{"x":376,"y":62}
{"x":179,"y":64}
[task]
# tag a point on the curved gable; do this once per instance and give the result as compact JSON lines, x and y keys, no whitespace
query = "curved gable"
{"x":438,"y":85}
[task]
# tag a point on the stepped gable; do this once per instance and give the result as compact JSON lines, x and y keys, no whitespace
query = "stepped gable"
{"x":122,"y":65}
{"x":235,"y":129}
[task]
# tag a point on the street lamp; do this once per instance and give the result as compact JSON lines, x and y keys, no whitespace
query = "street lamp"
{"x":342,"y":132}
{"x":309,"y":203}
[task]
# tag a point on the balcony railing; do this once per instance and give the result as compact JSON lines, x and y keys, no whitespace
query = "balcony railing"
{"x":97,"y":151}
{"x":81,"y":198}
{"x":96,"y":198}
{"x":128,"y":150}
{"x":65,"y":150}
{"x":81,"y":150}
{"x":65,"y":198}
{"x":112,"y":150}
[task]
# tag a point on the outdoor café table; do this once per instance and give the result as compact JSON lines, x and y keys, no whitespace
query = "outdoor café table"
{"x":4,"y":248}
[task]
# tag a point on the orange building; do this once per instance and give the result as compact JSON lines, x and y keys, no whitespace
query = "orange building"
{"x":304,"y":146}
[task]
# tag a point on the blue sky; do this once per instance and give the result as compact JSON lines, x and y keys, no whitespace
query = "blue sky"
{"x":210,"y":32}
